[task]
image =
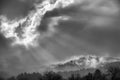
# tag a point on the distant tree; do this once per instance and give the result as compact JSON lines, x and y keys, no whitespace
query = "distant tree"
{"x":11,"y":78}
{"x":1,"y":78}
{"x":74,"y":77}
{"x":27,"y":76}
{"x":52,"y":76}
{"x":36,"y":76}
{"x":22,"y":76}
{"x":104,"y":77}
{"x":89,"y":76}
{"x":78,"y":77}
{"x":114,"y":72}
{"x":97,"y":75}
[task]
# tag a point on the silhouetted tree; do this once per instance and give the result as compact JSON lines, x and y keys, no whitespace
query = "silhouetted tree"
{"x":12,"y":78}
{"x":22,"y":76}
{"x":115,"y":72}
{"x":97,"y":75}
{"x":78,"y":77}
{"x":1,"y":78}
{"x":26,"y":76}
{"x":104,"y":77}
{"x":52,"y":76}
{"x":89,"y":76}
{"x":74,"y":77}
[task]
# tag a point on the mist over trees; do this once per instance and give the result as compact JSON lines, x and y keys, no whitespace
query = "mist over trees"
{"x":113,"y":73}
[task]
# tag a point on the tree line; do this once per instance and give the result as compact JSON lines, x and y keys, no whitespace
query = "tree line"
{"x":113,"y":73}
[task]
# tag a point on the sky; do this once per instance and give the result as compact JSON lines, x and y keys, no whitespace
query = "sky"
{"x":77,"y":33}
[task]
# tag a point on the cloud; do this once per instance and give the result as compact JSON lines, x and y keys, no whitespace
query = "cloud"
{"x":73,"y":37}
{"x":23,"y":30}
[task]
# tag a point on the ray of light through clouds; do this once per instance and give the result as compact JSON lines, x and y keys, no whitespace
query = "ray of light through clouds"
{"x":28,"y":34}
{"x":77,"y":29}
{"x":23,"y":31}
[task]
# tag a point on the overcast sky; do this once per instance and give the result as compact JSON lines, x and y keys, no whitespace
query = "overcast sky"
{"x":73,"y":37}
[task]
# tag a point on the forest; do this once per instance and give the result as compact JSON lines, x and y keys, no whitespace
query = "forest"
{"x":113,"y":73}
